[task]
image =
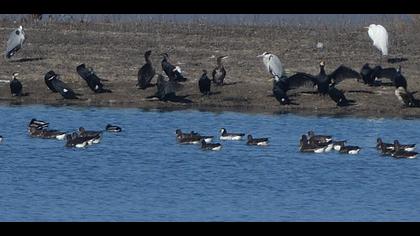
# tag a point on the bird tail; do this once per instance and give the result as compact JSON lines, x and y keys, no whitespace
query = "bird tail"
{"x":179,"y":77}
{"x":105,"y":91}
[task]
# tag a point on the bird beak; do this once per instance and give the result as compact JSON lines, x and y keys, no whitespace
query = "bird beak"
{"x":225,"y":57}
{"x":260,"y":55}
{"x":366,"y":27}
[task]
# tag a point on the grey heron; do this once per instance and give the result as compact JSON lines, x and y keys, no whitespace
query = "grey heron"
{"x":272,"y":64}
{"x":15,"y":42}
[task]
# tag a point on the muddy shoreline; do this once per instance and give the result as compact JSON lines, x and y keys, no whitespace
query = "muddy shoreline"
{"x":115,"y":51}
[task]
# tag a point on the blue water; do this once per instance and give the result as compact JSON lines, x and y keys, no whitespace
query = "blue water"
{"x":142,"y":174}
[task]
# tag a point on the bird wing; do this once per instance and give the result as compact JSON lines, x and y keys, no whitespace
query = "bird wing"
{"x":168,"y":67}
{"x":344,"y":72}
{"x":379,"y":35}
{"x":83,"y":71}
{"x":301,"y":80}
{"x":389,"y":73}
{"x":93,"y":81}
{"x":146,"y":74}
{"x":63,"y":88}
{"x":274,"y":66}
{"x":14,"y":42}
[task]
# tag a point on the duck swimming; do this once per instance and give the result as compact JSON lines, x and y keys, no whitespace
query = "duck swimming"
{"x":257,"y":141}
{"x":39,"y":124}
{"x":210,"y":146}
{"x":319,"y":139}
{"x":193,"y":137}
{"x":93,"y":136}
{"x":349,"y":149}
{"x":405,"y":147}
{"x":224,"y":135}
{"x":113,"y":128}
{"x":401,"y":153}
{"x":306,"y":146}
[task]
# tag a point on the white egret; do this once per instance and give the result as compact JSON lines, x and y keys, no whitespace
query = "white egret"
{"x":379,"y":36}
{"x":273,"y":65}
{"x":15,"y":42}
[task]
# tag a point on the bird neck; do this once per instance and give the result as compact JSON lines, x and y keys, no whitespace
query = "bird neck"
{"x":147,"y":59}
{"x":322,"y":71}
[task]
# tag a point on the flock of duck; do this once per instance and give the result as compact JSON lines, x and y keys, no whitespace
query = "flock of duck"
{"x":314,"y":143}
{"x":206,"y":141}
{"x":325,"y":143}
{"x":310,"y":143}
{"x":79,"y":139}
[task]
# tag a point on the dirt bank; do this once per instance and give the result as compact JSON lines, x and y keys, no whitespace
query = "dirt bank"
{"x":115,"y":51}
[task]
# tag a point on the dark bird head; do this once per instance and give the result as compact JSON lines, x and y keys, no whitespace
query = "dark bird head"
{"x":148,"y":53}
{"x":303,"y":139}
{"x":378,"y":140}
{"x":219,"y":59}
{"x":165,"y":56}
{"x":81,"y":130}
{"x":399,"y":69}
{"x":178,"y":132}
{"x":50,"y":75}
{"x":14,"y":75}
{"x":204,"y":72}
{"x":222,"y":130}
{"x":366,"y":67}
{"x":249,"y":137}
{"x":321,"y":64}
{"x":203,"y":143}
{"x":311,"y":133}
